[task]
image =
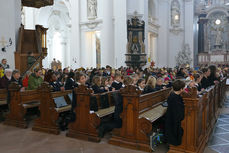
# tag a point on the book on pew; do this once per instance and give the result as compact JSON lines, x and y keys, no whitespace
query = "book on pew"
{"x":227,"y":82}
{"x":70,"y":96}
{"x":60,"y":102}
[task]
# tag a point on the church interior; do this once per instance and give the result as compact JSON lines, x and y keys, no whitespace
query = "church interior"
{"x":114,"y":76}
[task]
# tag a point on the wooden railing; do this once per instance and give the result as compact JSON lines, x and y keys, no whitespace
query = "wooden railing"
{"x":201,"y":114}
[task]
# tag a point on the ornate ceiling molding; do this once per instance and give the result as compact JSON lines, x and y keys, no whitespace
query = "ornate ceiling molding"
{"x":37,"y":3}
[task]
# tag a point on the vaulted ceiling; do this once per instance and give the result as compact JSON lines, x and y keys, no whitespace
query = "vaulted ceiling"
{"x":37,"y":3}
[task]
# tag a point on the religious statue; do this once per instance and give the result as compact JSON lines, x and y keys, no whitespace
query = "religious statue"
{"x":134,"y":47}
{"x":55,"y":65}
{"x":175,"y":13}
{"x":218,"y":39}
{"x":92,"y":9}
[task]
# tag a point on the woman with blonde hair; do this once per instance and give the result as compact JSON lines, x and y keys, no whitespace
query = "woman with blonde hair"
{"x":150,"y":85}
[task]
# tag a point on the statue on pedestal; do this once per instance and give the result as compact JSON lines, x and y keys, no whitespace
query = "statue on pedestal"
{"x":218,"y":41}
{"x":92,"y":9}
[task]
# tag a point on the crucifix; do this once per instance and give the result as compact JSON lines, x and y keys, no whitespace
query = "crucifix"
{"x":3,"y":42}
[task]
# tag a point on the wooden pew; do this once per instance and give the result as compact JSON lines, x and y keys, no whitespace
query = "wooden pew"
{"x":139,"y":111}
{"x":49,"y":113}
{"x":87,"y":122}
{"x":3,"y":97}
{"x":200,"y":118}
{"x":19,"y":103}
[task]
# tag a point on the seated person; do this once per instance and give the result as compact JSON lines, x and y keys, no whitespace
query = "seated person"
{"x":197,"y":80}
{"x":4,"y":64}
{"x":57,"y":85}
{"x":5,"y":80}
{"x":1,"y":71}
{"x":135,"y":79}
{"x":105,"y":83}
{"x":167,"y":82}
{"x":96,"y":85}
{"x":159,"y":84}
{"x":128,"y":80}
{"x":70,"y":82}
{"x":81,"y":79}
{"x":25,"y":81}
{"x":110,"y":81}
{"x":150,"y":85}
{"x":16,"y":78}
{"x":204,"y":81}
{"x":35,"y":79}
{"x":117,"y":84}
{"x":175,"y":114}
{"x":48,"y":76}
{"x":191,"y":84}
{"x":141,"y":84}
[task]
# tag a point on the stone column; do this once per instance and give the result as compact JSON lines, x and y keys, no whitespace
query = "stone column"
{"x":107,"y":34}
{"x":75,"y":33}
{"x":201,"y":23}
{"x":120,"y":32}
{"x":188,"y":26}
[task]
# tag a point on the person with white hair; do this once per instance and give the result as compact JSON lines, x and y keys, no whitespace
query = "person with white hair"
{"x":5,"y":80}
{"x":4,"y":64}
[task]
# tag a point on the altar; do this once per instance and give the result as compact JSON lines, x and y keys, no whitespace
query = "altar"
{"x":213,"y":41}
{"x":218,"y":58}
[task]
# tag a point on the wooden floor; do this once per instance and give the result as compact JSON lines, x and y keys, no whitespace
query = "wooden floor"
{"x":15,"y":140}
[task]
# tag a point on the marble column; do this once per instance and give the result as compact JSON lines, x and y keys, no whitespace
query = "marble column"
{"x":201,"y":47}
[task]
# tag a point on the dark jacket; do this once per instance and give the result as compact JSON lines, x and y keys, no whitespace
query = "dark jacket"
{"x":116,"y":85}
{"x":4,"y":82}
{"x":70,"y":84}
{"x":211,"y":80}
{"x":157,"y":88}
{"x":97,"y":89}
{"x":19,"y":82}
{"x":148,"y":89}
{"x":173,"y":117}
{"x":56,"y":86}
{"x":205,"y":82}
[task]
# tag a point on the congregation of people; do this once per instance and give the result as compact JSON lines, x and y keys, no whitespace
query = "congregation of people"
{"x":108,"y":79}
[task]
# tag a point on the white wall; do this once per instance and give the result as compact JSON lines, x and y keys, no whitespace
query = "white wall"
{"x":162,"y":53}
{"x":10,"y":21}
{"x":120,"y":32}
{"x":111,"y":22}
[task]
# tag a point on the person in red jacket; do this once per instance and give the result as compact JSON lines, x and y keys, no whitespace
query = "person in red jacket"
{"x":26,"y":79}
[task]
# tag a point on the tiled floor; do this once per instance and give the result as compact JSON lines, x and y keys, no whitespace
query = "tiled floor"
{"x":15,"y":140}
{"x":219,"y":141}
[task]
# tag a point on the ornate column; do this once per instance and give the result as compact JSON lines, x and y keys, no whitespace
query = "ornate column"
{"x":201,"y":22}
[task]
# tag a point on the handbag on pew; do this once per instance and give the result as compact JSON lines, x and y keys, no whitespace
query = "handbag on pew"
{"x":164,"y":104}
{"x":156,"y":139}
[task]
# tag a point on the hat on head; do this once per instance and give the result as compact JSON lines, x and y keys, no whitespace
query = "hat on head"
{"x":8,"y":70}
{"x":166,"y":79}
